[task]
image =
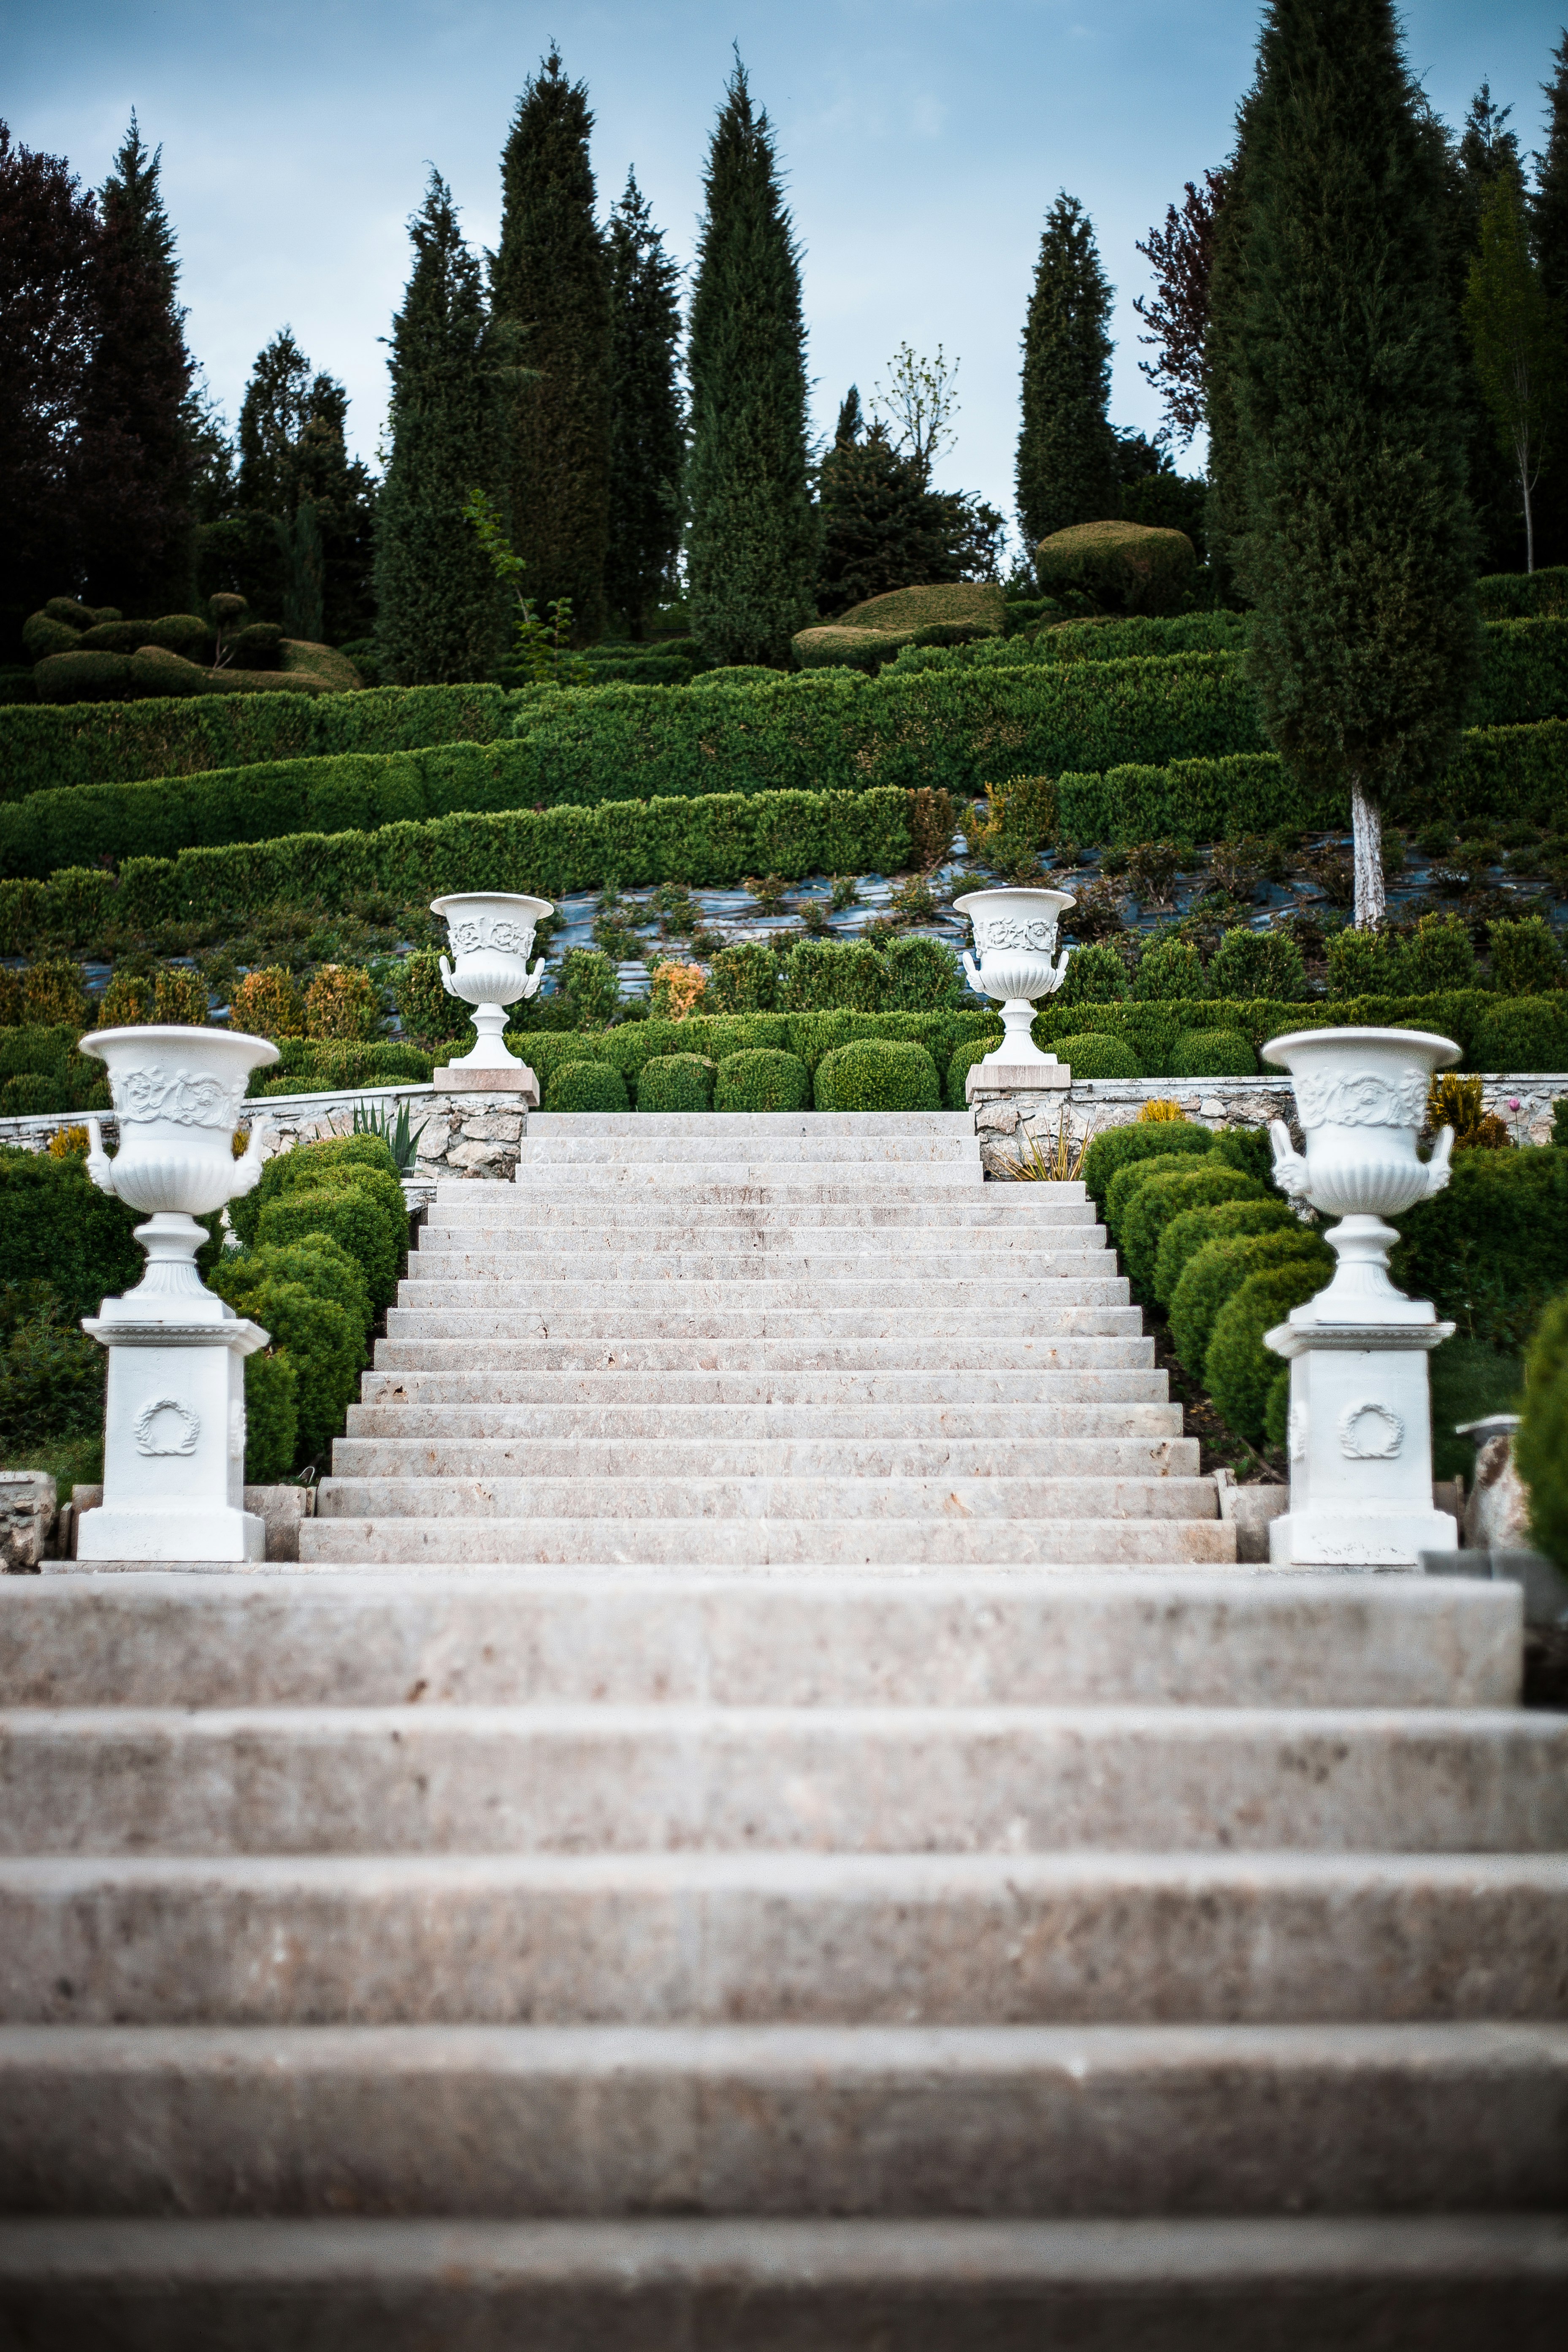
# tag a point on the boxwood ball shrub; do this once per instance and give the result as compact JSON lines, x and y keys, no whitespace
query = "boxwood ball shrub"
{"x":323,"y":1342}
{"x":1238,"y":1370}
{"x":1186,"y":1232}
{"x":676,"y":1082}
{"x":1213,"y":1053}
{"x":1095,"y":975}
{"x":348,"y":1214}
{"x":586,"y":1086}
{"x":764,"y":1078}
{"x":1165,"y":1194}
{"x":271,"y":1417}
{"x":1094,"y":1055}
{"x":1213,"y":1272}
{"x":1540,"y":1446}
{"x":1250,"y":964}
{"x":874,"y":1074}
{"x":959,"y":1063}
{"x":307,"y":1164}
{"x":1127,"y":1180}
{"x":1120,"y":1146}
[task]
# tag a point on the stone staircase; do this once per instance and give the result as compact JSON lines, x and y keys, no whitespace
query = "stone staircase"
{"x":768,"y":1817}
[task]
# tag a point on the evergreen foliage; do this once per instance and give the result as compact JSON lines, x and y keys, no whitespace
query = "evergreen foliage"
{"x":752,"y":542}
{"x":1549,"y":208}
{"x":549,"y":288}
{"x":881,"y":527}
{"x":648,"y":415}
{"x":1224,"y":505}
{"x":293,"y":532}
{"x":1517,"y":341}
{"x":1358,"y":546}
{"x":1471,"y":166}
{"x":440,"y":615}
{"x":1067,"y":453}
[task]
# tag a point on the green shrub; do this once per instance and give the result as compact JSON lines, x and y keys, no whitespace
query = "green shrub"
{"x":1134,"y":1172}
{"x":1541,"y":1444}
{"x":1250,"y":1149}
{"x":1127,"y":566}
{"x":1213,"y":1053}
{"x":1249,"y":963}
{"x":763,"y":1079}
{"x":62,"y":1231}
{"x":1277,"y":1409}
{"x":430,"y":1016}
{"x":1238,"y":1370}
{"x":874,"y":1074}
{"x":1220,"y":1268}
{"x":1526,"y":958}
{"x":676,"y":1082}
{"x":1169,"y":967}
{"x":591,"y":983}
{"x":1529,"y":1033}
{"x":51,"y":1381}
{"x":307,"y":1163}
{"x":1095,"y":975}
{"x":323,"y":1342}
{"x":1519,"y":596}
{"x":1120,"y":1146}
{"x":923,"y":975}
{"x":831,"y":976}
{"x":330,"y":1065}
{"x":1165,"y":1193}
{"x":961,"y":1062}
{"x":1439,"y":954}
{"x":586,"y":1086}
{"x":271,"y":1418}
{"x":1094,"y":1055}
{"x":347,"y":1212}
{"x":1192,"y":1229}
{"x":1365,"y":963}
{"x":1492,"y":1248}
{"x":1020,"y":818}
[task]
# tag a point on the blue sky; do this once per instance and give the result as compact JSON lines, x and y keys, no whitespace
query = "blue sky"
{"x":922,"y":145}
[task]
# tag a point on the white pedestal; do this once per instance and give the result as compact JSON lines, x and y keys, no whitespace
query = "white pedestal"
{"x":174,"y":1451}
{"x":489,"y":1068}
{"x":994,"y":1076}
{"x":1359,"y":1443}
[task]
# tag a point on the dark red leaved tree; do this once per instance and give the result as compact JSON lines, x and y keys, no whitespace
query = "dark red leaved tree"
{"x":1180,"y":255}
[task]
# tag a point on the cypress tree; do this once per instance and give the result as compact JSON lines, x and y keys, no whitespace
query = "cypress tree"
{"x":752,"y":542}
{"x":1224,"y":502}
{"x":135,"y":465}
{"x":648,"y":431}
{"x":441,"y":615}
{"x":549,"y":279}
{"x":1549,"y":211}
{"x":1358,"y":547}
{"x":1067,"y":456}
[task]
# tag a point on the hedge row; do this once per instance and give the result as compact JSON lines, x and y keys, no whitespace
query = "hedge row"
{"x":808,"y":1036}
{"x":1498,"y":1033}
{"x":710,"y":842}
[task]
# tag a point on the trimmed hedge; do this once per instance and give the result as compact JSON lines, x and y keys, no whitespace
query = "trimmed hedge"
{"x":959,"y":1063}
{"x":676,"y":1082}
{"x":1213,"y":1053}
{"x":1540,"y":1446}
{"x":1518,"y":595}
{"x":764,"y":1079}
{"x":586,"y":1086}
{"x":364,"y":1161}
{"x":808,"y":1035}
{"x":1151,"y":1030}
{"x":1492,"y":1248}
{"x":314,"y":1065}
{"x":61,"y":1229}
{"x":1522,"y":1032}
{"x":1094,"y":1053}
{"x":1213,"y":1273}
{"x":878,"y":1074}
{"x":1164,"y":1194}
{"x":1238,"y":1370}
{"x":1186,"y":1234}
{"x":1143,"y":1140}
{"x":41,"y":1070}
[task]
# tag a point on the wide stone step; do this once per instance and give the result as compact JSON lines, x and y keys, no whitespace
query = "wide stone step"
{"x":885,"y":1424}
{"x":1448,"y":2283}
{"x":1002,"y":1215}
{"x":827,"y":1546}
{"x":762,"y":1499}
{"x":802,"y":1938}
{"x":610,"y":1261}
{"x":992,"y":1296}
{"x":608,"y":1778}
{"x":874,"y":1128}
{"x":637,"y":2121}
{"x":170,"y":1640}
{"x":977,"y":1387}
{"x":1081,"y":1357}
{"x":749,"y":1324}
{"x":683,"y":1191}
{"x":714,"y":1143}
{"x":717,"y":1456}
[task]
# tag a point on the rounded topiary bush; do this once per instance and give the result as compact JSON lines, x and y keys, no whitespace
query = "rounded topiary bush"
{"x":1094,"y":1055}
{"x":964,"y":1057}
{"x":675,"y":1082}
{"x":1128,"y":567}
{"x":1170,"y":968}
{"x":271,"y":1418}
{"x":1213,"y":1053}
{"x":1128,"y":1179}
{"x":763,"y":1079}
{"x":1250,"y":964}
{"x":1540,"y":1448}
{"x":1191,"y":1229}
{"x":1213,"y":1273}
{"x":878,"y":1074}
{"x":1238,"y":1370}
{"x":1527,"y":1033}
{"x":1167,"y":1193}
{"x":1121,"y":1146}
{"x":1277,"y":1409}
{"x":586,"y":1086}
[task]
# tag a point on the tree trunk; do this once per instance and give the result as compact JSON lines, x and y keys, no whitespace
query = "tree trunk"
{"x":1529,"y":519}
{"x":1366,"y":825}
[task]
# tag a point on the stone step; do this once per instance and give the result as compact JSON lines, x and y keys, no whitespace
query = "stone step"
{"x":1454,"y":2282}
{"x":1075,"y":1361}
{"x":827,"y":1547}
{"x":749,"y":1325}
{"x":989,"y":1298}
{"x":171,"y":1640}
{"x":714,"y":1142}
{"x":876,"y":1128}
{"x":637,"y":2121}
{"x":718,"y":1454}
{"x":552,"y":1779}
{"x":793,"y":1939}
{"x":608,"y":1260}
{"x":1016,"y":1214}
{"x":977,"y":1386}
{"x":590,"y":1423}
{"x":763,"y":1499}
{"x":685,"y":1191}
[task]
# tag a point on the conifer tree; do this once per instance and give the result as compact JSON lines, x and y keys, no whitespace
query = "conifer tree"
{"x":1549,"y":211}
{"x":1067,"y":457}
{"x":550,"y":283}
{"x":1358,"y":547}
{"x":134,"y":461}
{"x":751,"y":536}
{"x":1518,"y":342}
{"x":1224,"y":502}
{"x":440,"y":615}
{"x":648,"y":430}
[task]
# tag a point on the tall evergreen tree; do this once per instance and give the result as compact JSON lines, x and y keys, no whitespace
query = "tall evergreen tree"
{"x":881,"y":527}
{"x":648,"y":430}
{"x":441,"y":615}
{"x":1516,"y":338}
{"x":752,"y":537}
{"x":135,"y":463}
{"x":1067,"y":456}
{"x":1358,"y":549}
{"x":1224,"y":502}
{"x":314,"y":575}
{"x":550,"y":280}
{"x":1549,"y":211}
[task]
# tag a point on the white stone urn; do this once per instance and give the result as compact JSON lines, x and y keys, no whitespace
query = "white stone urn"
{"x":491,"y":933}
{"x":1361,"y":1096}
{"x":177,"y":1094}
{"x":1015,"y":939}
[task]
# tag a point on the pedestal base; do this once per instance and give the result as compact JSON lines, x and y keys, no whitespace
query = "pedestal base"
{"x":1361,"y":1446}
{"x":511,"y":1078}
{"x":174,"y":1451}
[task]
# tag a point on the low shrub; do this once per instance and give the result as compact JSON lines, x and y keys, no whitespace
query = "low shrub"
{"x":342,"y":1001}
{"x":1096,"y":974}
{"x":268,"y":1003}
{"x":1238,"y":1370}
{"x":1120,"y":1146}
{"x":1213,"y":1053}
{"x":763,"y":1079}
{"x":1492,"y":1248}
{"x":1251,"y":964}
{"x":1094,"y":1055}
{"x":1136,"y":1170}
{"x":676,"y":1082}
{"x":322,"y":1339}
{"x":877,"y":1076}
{"x":1521,"y":595}
{"x":1523,"y":1033}
{"x":1187,"y":1233}
{"x":586,"y":1086}
{"x":52,"y":1377}
{"x":271,"y":1418}
{"x":1213,"y":1273}
{"x":173,"y":995}
{"x":1164,"y":1194}
{"x":53,"y":995}
{"x":959,"y":1063}
{"x":1526,"y":958}
{"x":743,"y":978}
{"x":63,"y":1232}
{"x":1127,"y":566}
{"x":1020,"y":819}
{"x":1170,"y":967}
{"x":1540,"y":1446}
{"x":330,"y":1065}
{"x":347,"y":1170}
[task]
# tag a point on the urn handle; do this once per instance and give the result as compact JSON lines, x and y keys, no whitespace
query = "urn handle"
{"x":100,"y":1167}
{"x":447,"y":978}
{"x":1290,"y":1169}
{"x":1439,"y":1167}
{"x":248,"y":1166}
{"x":973,"y":969}
{"x":531,"y":987}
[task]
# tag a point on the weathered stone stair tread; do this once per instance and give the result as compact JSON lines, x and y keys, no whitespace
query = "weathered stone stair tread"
{"x":993,"y":2122}
{"x":828,"y":1545}
{"x":673,"y":1426}
{"x":1031,"y":1302}
{"x":606,"y":1778}
{"x":392,"y":1638}
{"x":1125,"y":1375}
{"x":460,"y":1271}
{"x":779,"y":1498}
{"x":1453,"y":2283}
{"x":774,"y":1938}
{"x":545,"y":1352}
{"x":716,"y":1456}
